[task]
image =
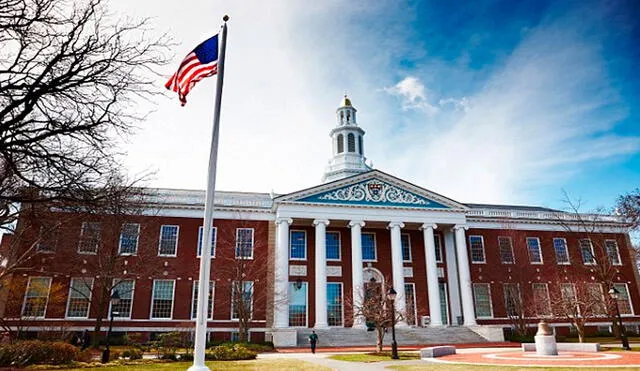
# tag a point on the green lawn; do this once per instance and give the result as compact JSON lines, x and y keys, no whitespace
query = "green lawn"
{"x":373,"y":357}
{"x":257,"y":365}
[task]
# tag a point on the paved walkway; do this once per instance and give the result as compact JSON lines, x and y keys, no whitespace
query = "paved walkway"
{"x":401,"y":348}
{"x":323,"y":360}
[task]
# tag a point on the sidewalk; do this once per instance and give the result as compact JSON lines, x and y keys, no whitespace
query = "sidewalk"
{"x":400,"y":348}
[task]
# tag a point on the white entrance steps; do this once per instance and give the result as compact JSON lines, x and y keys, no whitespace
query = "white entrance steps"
{"x":404,"y":336}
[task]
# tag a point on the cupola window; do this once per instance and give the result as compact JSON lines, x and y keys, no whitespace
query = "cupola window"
{"x":360,"y":144}
{"x":340,"y":143}
{"x":351,"y":142}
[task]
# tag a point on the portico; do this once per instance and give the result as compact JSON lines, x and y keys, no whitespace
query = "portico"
{"x":374,"y":233}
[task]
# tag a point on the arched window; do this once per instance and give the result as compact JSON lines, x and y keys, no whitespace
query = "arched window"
{"x":348,"y":116}
{"x":360,"y":144}
{"x":351,"y":142}
{"x":340,"y":143}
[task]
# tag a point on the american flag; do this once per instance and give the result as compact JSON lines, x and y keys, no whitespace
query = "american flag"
{"x":200,"y":63}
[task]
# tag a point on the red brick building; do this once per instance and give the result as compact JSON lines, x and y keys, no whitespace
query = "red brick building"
{"x":310,"y":254}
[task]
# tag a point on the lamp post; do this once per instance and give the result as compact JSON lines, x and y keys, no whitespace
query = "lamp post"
{"x":115,"y":300}
{"x":391,"y":295}
{"x":615,"y":295}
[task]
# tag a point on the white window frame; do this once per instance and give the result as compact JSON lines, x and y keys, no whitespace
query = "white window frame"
{"x":626,"y":286}
{"x":436,"y":237}
{"x":602,"y":298}
{"x":341,"y":302}
{"x":114,"y":283}
{"x":194,"y":285}
{"x":546,"y":286}
{"x":46,"y":303}
{"x":410,"y":254}
{"x":526,"y":241}
{"x":82,"y":228}
{"x":41,"y":237}
{"x":339,"y":246}
{"x":513,"y":256}
{"x":505,"y":287}
{"x":153,"y":298}
{"x":120,"y":240}
{"x":488,"y":285}
{"x":83,"y":281}
{"x":593,"y":254}
{"x":484,"y":253}
{"x":615,"y":243}
{"x":566,"y":248}
{"x":375,"y":248}
{"x":415,"y":299}
{"x":252,"y":299}
{"x":304,"y":283}
{"x":176,"y":244}
{"x":253,"y":242}
{"x":213,"y":246}
{"x":306,"y":244}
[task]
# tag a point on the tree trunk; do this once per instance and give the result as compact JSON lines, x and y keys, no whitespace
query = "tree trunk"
{"x":379,"y":338}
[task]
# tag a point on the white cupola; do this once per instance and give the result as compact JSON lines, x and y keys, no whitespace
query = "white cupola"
{"x":348,"y":145}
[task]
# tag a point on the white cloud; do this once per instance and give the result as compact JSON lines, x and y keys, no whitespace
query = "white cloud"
{"x":462,"y":104}
{"x":413,"y":94}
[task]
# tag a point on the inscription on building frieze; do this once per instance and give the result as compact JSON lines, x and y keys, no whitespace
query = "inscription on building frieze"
{"x":334,"y":271}
{"x":297,"y":270}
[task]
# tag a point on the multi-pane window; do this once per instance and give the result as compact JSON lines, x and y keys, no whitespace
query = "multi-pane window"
{"x":89,"y":238}
{"x":194,"y":300}
{"x":298,"y":245}
{"x":562,"y":252}
{"x":436,"y":241}
{"x":125,"y":289}
{"x":506,"y":250}
{"x":162,"y":300}
{"x":298,"y":304}
{"x":586,"y":249}
{"x":482,"y":300}
{"x":213,"y":232}
{"x":244,"y":243}
{"x":533,"y":248}
{"x":168,"y":240}
{"x":36,"y":297}
{"x":410,"y":302}
{"x":368,"y":246}
{"x":242,"y":299}
{"x":334,"y":303}
{"x":624,"y":303}
{"x":340,"y":140}
{"x":79,"y":297}
{"x":405,"y":241}
{"x":568,"y":293}
{"x":512,"y":299}
{"x":541,"y":299}
{"x":477,"y":249}
{"x":129,"y":238}
{"x":333,"y":245}
{"x":596,"y":294}
{"x":47,"y":240}
{"x":611,"y":247}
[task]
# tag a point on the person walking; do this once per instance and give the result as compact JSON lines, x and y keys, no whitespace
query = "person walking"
{"x":313,"y":340}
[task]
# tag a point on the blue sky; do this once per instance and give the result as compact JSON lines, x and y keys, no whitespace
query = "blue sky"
{"x":483,"y":101}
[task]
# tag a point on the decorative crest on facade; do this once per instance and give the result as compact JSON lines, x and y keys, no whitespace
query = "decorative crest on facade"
{"x":374,"y":192}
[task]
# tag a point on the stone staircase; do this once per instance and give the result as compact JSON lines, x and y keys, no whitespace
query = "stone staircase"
{"x":404,"y":336}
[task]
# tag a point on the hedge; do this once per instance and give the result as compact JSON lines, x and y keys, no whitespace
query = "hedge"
{"x":34,"y":352}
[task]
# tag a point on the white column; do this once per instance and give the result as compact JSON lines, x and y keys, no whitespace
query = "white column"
{"x":281,"y":284}
{"x":321,"y":273}
{"x":433,"y":289}
{"x":356,"y":270}
{"x":464,"y":272}
{"x":452,"y":277}
{"x":397,"y":268}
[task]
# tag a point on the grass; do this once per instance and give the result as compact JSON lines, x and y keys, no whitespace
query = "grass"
{"x":448,"y":367}
{"x":373,"y":357}
{"x":257,"y":365}
{"x":602,"y":340}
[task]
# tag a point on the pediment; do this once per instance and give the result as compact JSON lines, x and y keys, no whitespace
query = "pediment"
{"x":373,"y":188}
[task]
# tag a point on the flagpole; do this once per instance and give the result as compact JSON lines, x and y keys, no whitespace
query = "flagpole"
{"x":205,"y":254}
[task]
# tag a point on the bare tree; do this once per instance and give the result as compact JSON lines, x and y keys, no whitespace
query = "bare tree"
{"x":577,"y":302}
{"x":244,"y":273}
{"x":376,"y":309}
{"x":69,"y":73}
{"x":628,"y":205}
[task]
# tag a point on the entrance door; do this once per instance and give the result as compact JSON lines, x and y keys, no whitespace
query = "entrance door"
{"x":444,"y":306}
